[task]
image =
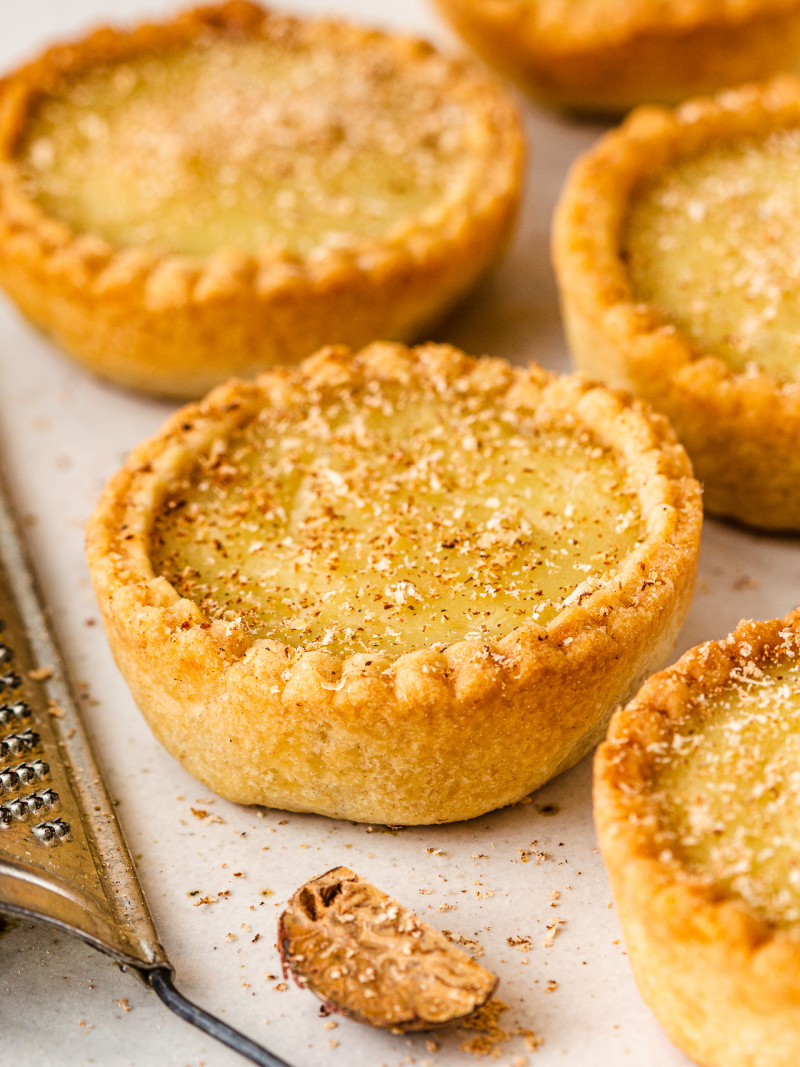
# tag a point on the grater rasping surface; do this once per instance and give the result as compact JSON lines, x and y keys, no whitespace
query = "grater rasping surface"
{"x":63,"y":858}
{"x":62,"y":855}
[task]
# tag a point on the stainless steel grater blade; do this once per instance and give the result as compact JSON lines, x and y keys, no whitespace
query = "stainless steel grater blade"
{"x":63,"y":859}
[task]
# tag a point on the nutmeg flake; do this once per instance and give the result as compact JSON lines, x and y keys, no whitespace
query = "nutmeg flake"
{"x":368,"y":957}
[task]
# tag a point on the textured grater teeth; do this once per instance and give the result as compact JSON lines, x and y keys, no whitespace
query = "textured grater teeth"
{"x":62,"y":856}
{"x":52,"y":832}
{"x":19,"y":743}
{"x":28,"y":807}
{"x":23,"y":774}
{"x":12,"y":714}
{"x":24,"y":808}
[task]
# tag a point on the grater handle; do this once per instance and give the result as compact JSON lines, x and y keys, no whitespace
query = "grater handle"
{"x":160,"y":979}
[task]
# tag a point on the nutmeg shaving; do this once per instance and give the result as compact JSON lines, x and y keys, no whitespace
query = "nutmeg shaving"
{"x":368,"y":957}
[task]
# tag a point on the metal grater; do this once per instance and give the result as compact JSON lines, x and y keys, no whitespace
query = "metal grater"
{"x":63,"y":859}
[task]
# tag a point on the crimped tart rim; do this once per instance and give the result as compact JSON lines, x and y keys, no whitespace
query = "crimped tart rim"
{"x":588,"y":228}
{"x":604,"y":27}
{"x":170,"y":279}
{"x":136,"y":601}
{"x":686,"y":903}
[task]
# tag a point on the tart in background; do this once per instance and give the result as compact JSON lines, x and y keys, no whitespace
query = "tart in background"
{"x":184,"y":201}
{"x":610,"y":55}
{"x":697,"y":803}
{"x":676,"y":245}
{"x":399,"y":586}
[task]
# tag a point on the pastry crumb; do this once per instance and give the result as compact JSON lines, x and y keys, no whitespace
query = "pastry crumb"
{"x":552,"y":930}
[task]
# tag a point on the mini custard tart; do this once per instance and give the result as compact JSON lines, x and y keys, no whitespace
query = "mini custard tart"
{"x":398,"y":586}
{"x":697,"y":802}
{"x":610,"y":55}
{"x":233,"y":189}
{"x":677,"y":250}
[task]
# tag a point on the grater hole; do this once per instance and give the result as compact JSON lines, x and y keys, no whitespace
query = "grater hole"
{"x":9,"y":680}
{"x":52,"y":832}
{"x":23,"y":808}
{"x":6,"y":654}
{"x":9,"y":780}
{"x":12,"y":714}
{"x":19,"y":743}
{"x":23,"y":774}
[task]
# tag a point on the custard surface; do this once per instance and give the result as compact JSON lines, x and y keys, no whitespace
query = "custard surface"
{"x":289,"y":143}
{"x":714,"y":247}
{"x":729,"y":790}
{"x":389,"y":518}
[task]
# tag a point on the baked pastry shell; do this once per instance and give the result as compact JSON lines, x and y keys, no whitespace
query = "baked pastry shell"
{"x":176,"y":325}
{"x":724,"y":983}
{"x":430,"y":735}
{"x":741,"y":429}
{"x":615,"y":56}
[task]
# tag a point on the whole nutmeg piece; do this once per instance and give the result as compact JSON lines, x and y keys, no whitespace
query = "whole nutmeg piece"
{"x":368,"y":957}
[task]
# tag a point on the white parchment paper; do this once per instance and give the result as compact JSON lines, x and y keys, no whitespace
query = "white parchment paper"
{"x":525,"y":885}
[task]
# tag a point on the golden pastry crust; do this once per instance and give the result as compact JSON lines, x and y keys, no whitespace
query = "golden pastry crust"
{"x":740,"y":428}
{"x":177,"y":323}
{"x":607,"y":57}
{"x":433,"y":732}
{"x":722,"y":977}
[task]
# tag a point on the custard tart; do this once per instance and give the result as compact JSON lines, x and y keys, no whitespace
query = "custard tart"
{"x":609,"y":55}
{"x":697,"y":800}
{"x":233,"y":189}
{"x":398,"y":586}
{"x":677,"y":245}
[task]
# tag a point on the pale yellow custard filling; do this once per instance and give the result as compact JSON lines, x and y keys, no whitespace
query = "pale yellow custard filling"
{"x":729,"y":788}
{"x":714,"y":246}
{"x":249,"y":143}
{"x":392,"y":518}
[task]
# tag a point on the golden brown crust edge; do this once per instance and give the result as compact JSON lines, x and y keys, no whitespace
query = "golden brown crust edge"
{"x":741,"y":430}
{"x":177,"y":325}
{"x":724,"y":984}
{"x":610,"y":61}
{"x":429,"y":736}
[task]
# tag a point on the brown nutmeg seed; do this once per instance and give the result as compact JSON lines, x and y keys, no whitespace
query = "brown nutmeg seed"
{"x":368,"y":957}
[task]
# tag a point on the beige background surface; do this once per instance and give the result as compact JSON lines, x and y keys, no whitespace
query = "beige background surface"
{"x":61,"y":435}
